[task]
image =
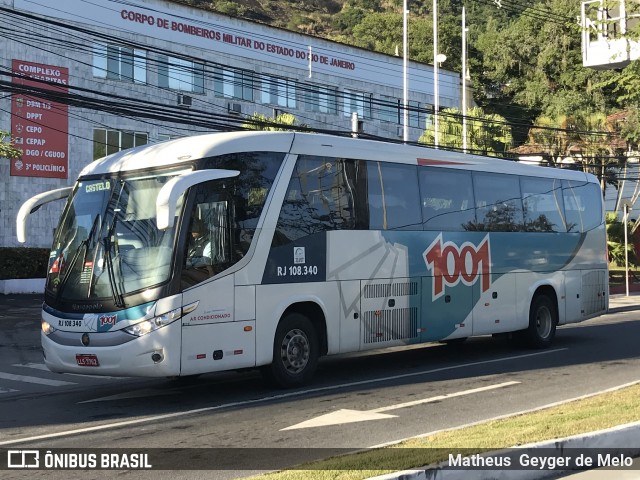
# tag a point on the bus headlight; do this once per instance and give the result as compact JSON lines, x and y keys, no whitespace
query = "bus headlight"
{"x":147,"y":326}
{"x":47,"y":329}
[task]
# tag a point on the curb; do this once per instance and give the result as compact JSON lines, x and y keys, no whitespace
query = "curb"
{"x":613,"y":439}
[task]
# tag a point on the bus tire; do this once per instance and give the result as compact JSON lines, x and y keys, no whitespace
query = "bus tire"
{"x":295,"y":352}
{"x":543,"y":319}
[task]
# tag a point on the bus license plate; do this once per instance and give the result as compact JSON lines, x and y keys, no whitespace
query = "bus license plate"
{"x":87,"y":360}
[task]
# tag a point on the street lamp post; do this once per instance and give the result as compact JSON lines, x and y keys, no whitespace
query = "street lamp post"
{"x":436,"y":101}
{"x":464,"y":81}
{"x":405,"y":82}
{"x":627,"y":208}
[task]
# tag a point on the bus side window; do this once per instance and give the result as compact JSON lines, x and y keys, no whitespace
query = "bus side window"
{"x":543,"y":205}
{"x":498,"y":202}
{"x":447,"y":199}
{"x":394,"y":196}
{"x":582,"y":206}
{"x":320,"y":197}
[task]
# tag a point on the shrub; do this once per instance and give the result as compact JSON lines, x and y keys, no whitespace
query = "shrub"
{"x":23,"y":262}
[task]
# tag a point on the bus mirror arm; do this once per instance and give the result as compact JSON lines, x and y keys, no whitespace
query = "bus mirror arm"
{"x":33,"y":204}
{"x":171,"y":191}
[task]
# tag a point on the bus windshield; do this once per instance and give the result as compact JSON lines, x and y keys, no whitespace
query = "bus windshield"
{"x":107,"y":244}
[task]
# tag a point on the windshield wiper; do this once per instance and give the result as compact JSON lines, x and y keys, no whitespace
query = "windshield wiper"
{"x":118,"y":297}
{"x":83,"y":247}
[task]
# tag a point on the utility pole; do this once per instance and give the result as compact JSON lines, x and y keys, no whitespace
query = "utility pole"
{"x":405,"y":81}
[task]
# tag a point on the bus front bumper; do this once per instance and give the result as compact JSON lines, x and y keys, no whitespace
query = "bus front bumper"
{"x":156,"y":354}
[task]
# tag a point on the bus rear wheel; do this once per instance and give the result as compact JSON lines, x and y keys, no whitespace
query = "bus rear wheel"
{"x":543,"y":319}
{"x":295,"y":352}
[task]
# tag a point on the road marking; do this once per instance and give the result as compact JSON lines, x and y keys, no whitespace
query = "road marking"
{"x":36,"y":366}
{"x":148,"y":392}
{"x":156,"y":418}
{"x":40,"y":381}
{"x":43,"y":367}
{"x":7,"y":390}
{"x":350,"y":416}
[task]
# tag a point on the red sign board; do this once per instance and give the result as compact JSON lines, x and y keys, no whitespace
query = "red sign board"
{"x":40,"y":127}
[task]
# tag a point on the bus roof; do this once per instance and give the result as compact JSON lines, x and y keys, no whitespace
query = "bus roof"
{"x":188,"y":149}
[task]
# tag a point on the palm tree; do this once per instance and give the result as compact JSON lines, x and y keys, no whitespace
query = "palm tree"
{"x":486,"y":133}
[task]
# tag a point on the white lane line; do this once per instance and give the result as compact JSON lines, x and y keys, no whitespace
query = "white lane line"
{"x":196,"y":411}
{"x":40,"y":381}
{"x":36,"y":366}
{"x":444,"y":397}
{"x":43,"y":367}
{"x":7,"y":390}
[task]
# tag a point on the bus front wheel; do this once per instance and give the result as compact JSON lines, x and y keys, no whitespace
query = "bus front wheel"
{"x":295,"y":352}
{"x":543,"y":319}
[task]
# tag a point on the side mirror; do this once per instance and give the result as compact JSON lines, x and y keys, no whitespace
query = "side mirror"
{"x":33,"y":204}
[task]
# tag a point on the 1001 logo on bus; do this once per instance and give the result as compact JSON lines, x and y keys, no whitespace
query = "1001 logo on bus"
{"x":452,"y":264}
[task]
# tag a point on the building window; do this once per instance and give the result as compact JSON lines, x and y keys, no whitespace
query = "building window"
{"x":163,"y":137}
{"x":321,"y":99}
{"x":233,"y":84}
{"x":414,"y":114}
{"x":357,"y":102}
{"x":180,"y":74}
{"x":389,"y":109}
{"x":278,"y":91}
{"x":106,"y":142}
{"x":115,"y":62}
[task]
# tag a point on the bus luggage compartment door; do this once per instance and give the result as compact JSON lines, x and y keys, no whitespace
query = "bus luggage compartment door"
{"x":390,"y":312}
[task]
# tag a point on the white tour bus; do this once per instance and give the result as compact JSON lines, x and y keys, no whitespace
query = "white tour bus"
{"x":270,"y":249}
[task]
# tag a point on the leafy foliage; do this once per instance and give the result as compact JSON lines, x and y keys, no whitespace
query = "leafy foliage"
{"x":615,"y":241}
{"x":282,"y":122}
{"x":488,"y":134}
{"x":7,"y":150}
{"x":23,"y":262}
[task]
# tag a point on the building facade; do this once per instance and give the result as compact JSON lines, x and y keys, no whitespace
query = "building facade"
{"x":607,"y":38}
{"x":83,"y":79}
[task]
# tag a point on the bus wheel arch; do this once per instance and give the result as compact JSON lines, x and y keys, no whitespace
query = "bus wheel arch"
{"x":300,"y":339}
{"x":543,"y":318}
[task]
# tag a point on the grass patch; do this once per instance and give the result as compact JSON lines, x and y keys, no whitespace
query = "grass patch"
{"x":581,"y":416}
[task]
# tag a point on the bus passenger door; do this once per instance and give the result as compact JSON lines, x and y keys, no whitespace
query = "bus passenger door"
{"x":215,"y":336}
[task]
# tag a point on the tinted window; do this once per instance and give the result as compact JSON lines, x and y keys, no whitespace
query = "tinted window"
{"x":257,"y":173}
{"x":582,"y":205}
{"x":394,"y":197}
{"x":498,"y":202}
{"x":322,"y":195}
{"x":447,"y":199}
{"x":543,"y":205}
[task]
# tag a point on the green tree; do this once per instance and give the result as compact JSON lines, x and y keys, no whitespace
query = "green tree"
{"x":7,"y":150}
{"x":615,"y":241}
{"x":282,"y":122}
{"x":488,"y":134}
{"x":533,"y":65}
{"x":584,"y":137}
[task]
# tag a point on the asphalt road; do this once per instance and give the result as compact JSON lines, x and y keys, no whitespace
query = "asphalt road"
{"x":356,"y":401}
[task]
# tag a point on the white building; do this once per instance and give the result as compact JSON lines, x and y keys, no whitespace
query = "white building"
{"x":608,"y":43}
{"x":83,"y":79}
{"x":605,"y":28}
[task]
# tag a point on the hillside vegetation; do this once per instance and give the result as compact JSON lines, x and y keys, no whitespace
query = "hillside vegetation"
{"x":524,"y":58}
